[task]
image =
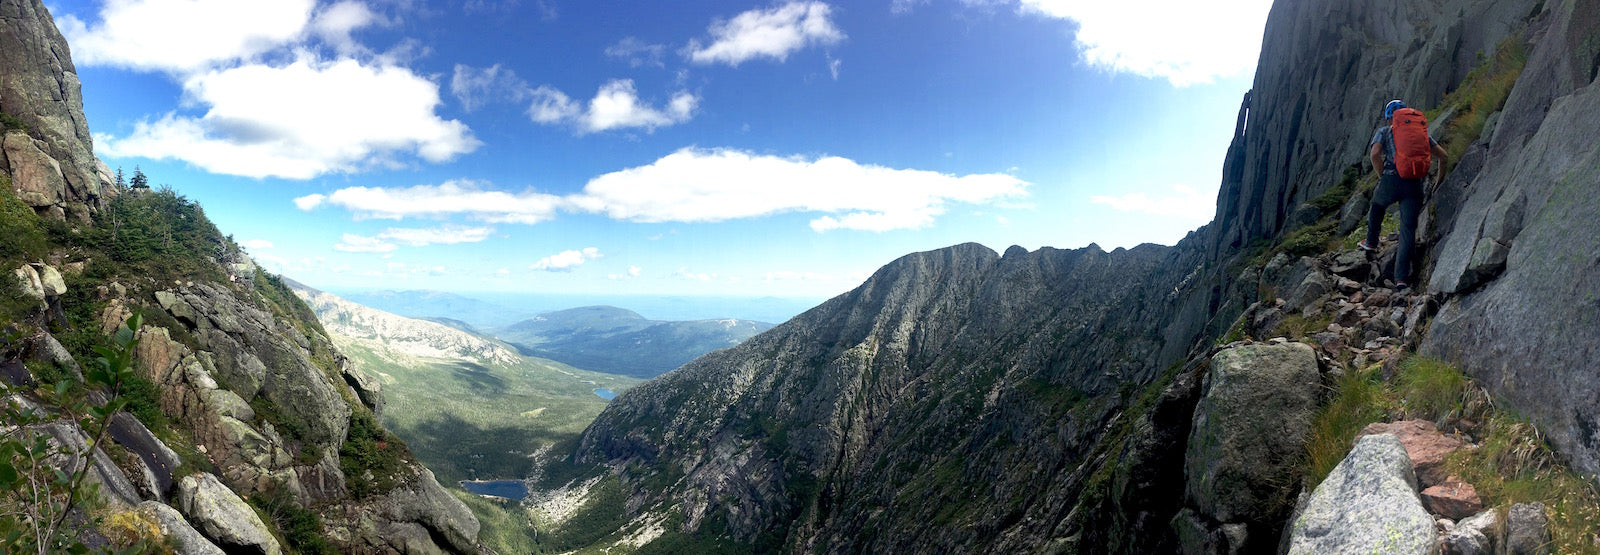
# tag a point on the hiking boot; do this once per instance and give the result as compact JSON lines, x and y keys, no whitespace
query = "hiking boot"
{"x":1363,"y":246}
{"x":1402,"y":286}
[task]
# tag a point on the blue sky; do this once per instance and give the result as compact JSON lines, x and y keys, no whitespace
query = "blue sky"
{"x":679,"y":148}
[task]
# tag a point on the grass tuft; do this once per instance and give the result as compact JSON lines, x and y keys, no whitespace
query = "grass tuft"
{"x":1359,"y":399}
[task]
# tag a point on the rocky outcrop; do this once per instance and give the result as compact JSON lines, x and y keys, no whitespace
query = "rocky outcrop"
{"x":1368,"y":504}
{"x":1247,"y":436}
{"x":1520,"y":259}
{"x":1527,"y":530}
{"x":1425,"y":446}
{"x":188,"y":540}
{"x":227,"y":520}
{"x":49,"y":154}
{"x":419,"y":518}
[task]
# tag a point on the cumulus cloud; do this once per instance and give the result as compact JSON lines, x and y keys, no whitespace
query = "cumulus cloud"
{"x":773,"y":33}
{"x":257,"y":244}
{"x":334,"y":24}
{"x":450,"y":198}
{"x":566,"y":261}
{"x":615,"y":106}
{"x":1184,"y":203}
{"x":696,"y":185}
{"x":301,"y":120}
{"x":475,"y":87}
{"x":685,"y":274}
{"x":390,"y":239}
{"x":633,"y":272}
{"x":1182,"y":41}
{"x":637,"y":52}
{"x":184,"y":35}
{"x":350,"y":242}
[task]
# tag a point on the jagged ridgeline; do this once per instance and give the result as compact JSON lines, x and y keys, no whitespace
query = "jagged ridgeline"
{"x":1069,"y":401}
{"x":248,"y":430}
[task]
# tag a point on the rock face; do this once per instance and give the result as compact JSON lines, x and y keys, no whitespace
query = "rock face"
{"x":224,"y":518}
{"x":951,"y":399}
{"x":1248,"y":432}
{"x":50,"y":160}
{"x":1368,"y":504}
{"x":1521,"y":257}
{"x":189,"y":541}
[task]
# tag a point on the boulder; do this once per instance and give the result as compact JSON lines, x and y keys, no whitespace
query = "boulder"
{"x":223,"y":517}
{"x":1249,"y":427}
{"x":1527,"y":530}
{"x":158,"y":460}
{"x":29,"y":280}
{"x":115,"y":488}
{"x":1351,"y":265}
{"x":1424,"y":444}
{"x":187,"y":540}
{"x":1308,"y":292}
{"x":50,"y":279}
{"x":1353,"y":213}
{"x":426,"y":503}
{"x":1368,"y":504}
{"x":1453,"y":499}
{"x":1478,"y":535}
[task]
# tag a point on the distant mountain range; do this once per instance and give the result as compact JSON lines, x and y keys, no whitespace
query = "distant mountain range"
{"x":620,"y":341}
{"x":434,"y":305}
{"x":398,"y":335}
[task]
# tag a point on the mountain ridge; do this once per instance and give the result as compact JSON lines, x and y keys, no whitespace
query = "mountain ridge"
{"x":622,"y":341}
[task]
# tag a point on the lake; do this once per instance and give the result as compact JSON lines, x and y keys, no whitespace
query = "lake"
{"x":514,"y":490}
{"x":606,"y":394}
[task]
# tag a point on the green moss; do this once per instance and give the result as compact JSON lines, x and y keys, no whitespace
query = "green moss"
{"x":1481,"y":93}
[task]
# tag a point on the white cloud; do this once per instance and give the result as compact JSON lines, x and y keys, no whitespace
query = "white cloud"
{"x":1183,"y":41}
{"x":633,"y":272}
{"x":334,"y":23}
{"x":1185,"y":203}
{"x":615,"y":106}
{"x":474,"y":87}
{"x":257,"y":244}
{"x":309,"y":201}
{"x":695,"y":185}
{"x":355,"y":243}
{"x":637,"y":52}
{"x":444,"y":235}
{"x":565,"y":261}
{"x":301,"y":120}
{"x":684,"y":273}
{"x":503,"y":272}
{"x":184,"y":35}
{"x":771,"y":33}
{"x":450,"y":198}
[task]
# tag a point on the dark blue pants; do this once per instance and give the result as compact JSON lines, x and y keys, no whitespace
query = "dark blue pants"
{"x":1394,"y":189}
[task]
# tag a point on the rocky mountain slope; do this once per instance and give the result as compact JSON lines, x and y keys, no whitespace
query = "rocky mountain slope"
{"x":611,"y":339}
{"x":406,"y":336}
{"x":248,"y":434}
{"x":961,"y":401}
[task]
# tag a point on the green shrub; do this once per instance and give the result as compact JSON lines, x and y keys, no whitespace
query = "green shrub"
{"x":301,"y":528}
{"x":372,"y":459}
{"x":25,"y":237}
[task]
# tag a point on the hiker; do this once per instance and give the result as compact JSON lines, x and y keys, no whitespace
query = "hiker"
{"x":1400,"y":141}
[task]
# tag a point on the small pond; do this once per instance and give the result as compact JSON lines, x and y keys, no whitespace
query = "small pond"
{"x":514,"y":490}
{"x":605,"y":393}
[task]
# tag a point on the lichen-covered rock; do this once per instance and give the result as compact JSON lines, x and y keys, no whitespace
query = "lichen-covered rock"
{"x":187,"y":540}
{"x":114,"y":485}
{"x":1478,"y":535}
{"x":156,"y":460}
{"x":222,"y":516}
{"x":1249,"y":429}
{"x":1425,"y":445}
{"x":1368,"y":504}
{"x":28,"y":278}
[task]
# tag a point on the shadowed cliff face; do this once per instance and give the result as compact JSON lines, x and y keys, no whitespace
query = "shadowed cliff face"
{"x":955,"y":401}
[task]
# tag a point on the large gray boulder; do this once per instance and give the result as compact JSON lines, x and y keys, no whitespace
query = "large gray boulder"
{"x":1368,"y":504}
{"x":227,"y":520}
{"x":1522,"y":258}
{"x":188,"y":540}
{"x":1249,"y":431}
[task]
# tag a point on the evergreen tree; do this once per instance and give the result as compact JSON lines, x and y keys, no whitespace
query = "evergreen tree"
{"x":121,"y":183}
{"x":139,"y":179}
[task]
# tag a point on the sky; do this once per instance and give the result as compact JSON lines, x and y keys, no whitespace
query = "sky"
{"x":782,"y":149}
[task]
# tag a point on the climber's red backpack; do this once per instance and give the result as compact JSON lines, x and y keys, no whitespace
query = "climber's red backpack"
{"x":1411,"y":146}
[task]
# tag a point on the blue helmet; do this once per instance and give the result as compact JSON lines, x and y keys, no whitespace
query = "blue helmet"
{"x":1388,"y":111}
